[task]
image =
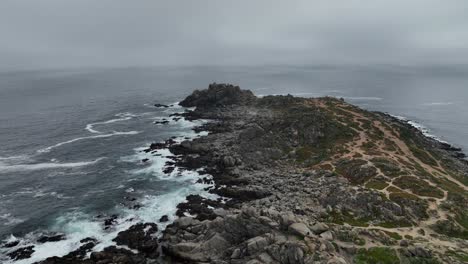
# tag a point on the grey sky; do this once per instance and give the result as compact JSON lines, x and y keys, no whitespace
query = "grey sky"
{"x":82,"y":33}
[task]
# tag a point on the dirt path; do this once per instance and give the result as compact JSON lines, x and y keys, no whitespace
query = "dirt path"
{"x":356,"y":149}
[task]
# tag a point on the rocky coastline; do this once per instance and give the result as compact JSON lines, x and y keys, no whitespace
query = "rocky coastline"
{"x":303,"y":180}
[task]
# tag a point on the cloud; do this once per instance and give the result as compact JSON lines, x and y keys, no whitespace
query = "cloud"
{"x":108,"y":33}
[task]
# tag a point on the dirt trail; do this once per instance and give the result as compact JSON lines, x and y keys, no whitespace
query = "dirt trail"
{"x":356,"y":149}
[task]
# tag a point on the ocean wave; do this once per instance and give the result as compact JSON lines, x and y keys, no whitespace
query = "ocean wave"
{"x":363,"y":98}
{"x":19,"y":157}
{"x":122,"y":117}
{"x":43,"y":166}
{"x":438,"y":103}
{"x":8,"y":219}
{"x":48,"y":149}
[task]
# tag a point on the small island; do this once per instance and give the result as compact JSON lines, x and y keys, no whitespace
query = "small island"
{"x":305,"y":180}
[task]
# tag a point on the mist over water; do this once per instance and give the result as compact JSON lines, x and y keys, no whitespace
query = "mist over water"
{"x":71,"y":140}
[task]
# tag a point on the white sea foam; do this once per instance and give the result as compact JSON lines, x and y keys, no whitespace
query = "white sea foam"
{"x":426,"y":132}
{"x":8,"y":219}
{"x":19,"y":157}
{"x":42,"y":166}
{"x":122,"y":117}
{"x":438,"y":104}
{"x":116,"y":133}
{"x":362,"y":98}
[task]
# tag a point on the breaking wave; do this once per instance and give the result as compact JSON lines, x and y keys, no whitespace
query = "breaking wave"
{"x":43,"y":166}
{"x":48,"y":149}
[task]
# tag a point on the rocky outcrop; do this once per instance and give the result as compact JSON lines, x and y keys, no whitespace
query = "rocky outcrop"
{"x":218,"y":95}
{"x":140,"y":237}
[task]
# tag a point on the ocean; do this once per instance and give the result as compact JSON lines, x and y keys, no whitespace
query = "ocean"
{"x":71,"y":141}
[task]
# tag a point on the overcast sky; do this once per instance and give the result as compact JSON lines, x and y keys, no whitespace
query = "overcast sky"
{"x":116,"y":33}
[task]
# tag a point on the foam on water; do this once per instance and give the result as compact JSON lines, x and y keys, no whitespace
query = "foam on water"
{"x":8,"y":219}
{"x":122,"y":117}
{"x":362,"y":98}
{"x":426,"y":132}
{"x":438,"y":103}
{"x":48,"y":149}
{"x":42,"y":166}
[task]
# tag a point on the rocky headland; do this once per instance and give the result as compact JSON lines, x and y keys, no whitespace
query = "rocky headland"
{"x":304,"y":181}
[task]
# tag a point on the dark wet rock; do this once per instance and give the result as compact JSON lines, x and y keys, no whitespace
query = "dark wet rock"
{"x":53,"y":238}
{"x":168,"y":170}
{"x":21,"y":253}
{"x":144,"y":160}
{"x":161,"y":105}
{"x":11,"y":244}
{"x":164,"y":219}
{"x":83,"y":250}
{"x":199,"y":207}
{"x":140,"y":237}
{"x":87,"y":240}
{"x":110,"y":221}
{"x":162,"y":122}
{"x":117,"y":255}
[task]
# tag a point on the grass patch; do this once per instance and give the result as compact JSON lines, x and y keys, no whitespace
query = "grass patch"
{"x":449,"y":228}
{"x":388,"y":167}
{"x":422,"y":155}
{"x":396,"y":223}
{"x":374,"y":255}
{"x":397,"y":196}
{"x":346,"y":217}
{"x":418,"y":187}
{"x":376,"y":184}
{"x":393,"y":235}
{"x":461,"y":256}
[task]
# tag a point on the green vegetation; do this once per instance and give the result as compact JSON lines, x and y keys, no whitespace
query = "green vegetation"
{"x":418,"y":187}
{"x":462,"y":218}
{"x":350,"y":236}
{"x":375,"y":255}
{"x":355,"y":170}
{"x":461,"y":256}
{"x":388,"y":167}
{"x":377,"y":184}
{"x":398,"y":196}
{"x":393,"y":235}
{"x":449,"y":228}
{"x":422,"y":155}
{"x":396,"y":223}
{"x":347,"y":217}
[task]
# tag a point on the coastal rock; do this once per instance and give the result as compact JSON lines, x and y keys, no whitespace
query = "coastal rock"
{"x":53,"y":238}
{"x":21,"y":253}
{"x":217,"y":95}
{"x":140,"y":237}
{"x":164,"y":219}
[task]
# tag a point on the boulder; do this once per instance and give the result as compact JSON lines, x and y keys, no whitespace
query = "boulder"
{"x":318,"y":228}
{"x":164,"y":219}
{"x":299,"y":229}
{"x":256,"y":244}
